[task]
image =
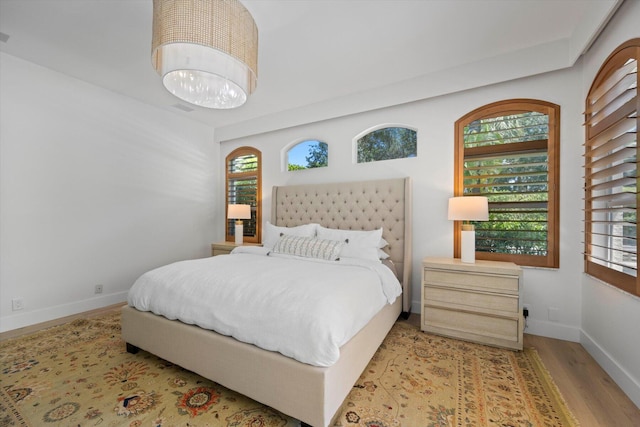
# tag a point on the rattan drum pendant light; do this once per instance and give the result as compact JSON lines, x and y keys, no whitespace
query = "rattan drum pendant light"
{"x":206,"y":51}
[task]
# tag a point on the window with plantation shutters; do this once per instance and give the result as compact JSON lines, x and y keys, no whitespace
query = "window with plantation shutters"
{"x":243,"y":186}
{"x":508,"y":152}
{"x":611,"y":177}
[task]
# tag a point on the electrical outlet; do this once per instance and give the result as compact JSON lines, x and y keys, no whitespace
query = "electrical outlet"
{"x":98,"y":289}
{"x":554,"y":314}
{"x":17,"y":304}
{"x":526,"y":310}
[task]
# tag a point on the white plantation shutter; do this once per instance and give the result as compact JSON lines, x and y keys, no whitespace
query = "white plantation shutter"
{"x":243,"y":186}
{"x":507,"y":151}
{"x":611,"y":178}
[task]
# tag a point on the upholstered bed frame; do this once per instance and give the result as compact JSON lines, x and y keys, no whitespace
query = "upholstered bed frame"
{"x":311,"y":394}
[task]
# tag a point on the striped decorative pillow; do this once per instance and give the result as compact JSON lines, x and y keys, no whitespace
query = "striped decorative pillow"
{"x":308,"y":247}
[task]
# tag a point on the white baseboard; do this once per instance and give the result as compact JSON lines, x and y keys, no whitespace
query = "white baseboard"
{"x":29,"y":318}
{"x":552,"y":330}
{"x":621,"y":377}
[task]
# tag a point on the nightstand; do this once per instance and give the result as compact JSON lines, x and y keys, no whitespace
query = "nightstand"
{"x":224,"y":248}
{"x":475,"y":302}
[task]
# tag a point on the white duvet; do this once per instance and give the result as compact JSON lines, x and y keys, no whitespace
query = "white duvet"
{"x":305,"y":309}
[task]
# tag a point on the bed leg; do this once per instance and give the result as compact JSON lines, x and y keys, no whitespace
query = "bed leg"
{"x":132,"y":348}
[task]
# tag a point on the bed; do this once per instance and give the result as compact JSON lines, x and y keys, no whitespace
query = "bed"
{"x":311,"y":394}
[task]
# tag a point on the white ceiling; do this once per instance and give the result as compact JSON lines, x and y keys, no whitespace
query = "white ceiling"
{"x":317,"y":58}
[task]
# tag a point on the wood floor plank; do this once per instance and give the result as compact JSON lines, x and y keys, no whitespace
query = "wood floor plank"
{"x":589,"y":391}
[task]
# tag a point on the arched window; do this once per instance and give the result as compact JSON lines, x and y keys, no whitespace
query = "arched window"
{"x":386,"y":143}
{"x":509,"y":151}
{"x":244,"y":186}
{"x":307,"y":154}
{"x":611,"y":172}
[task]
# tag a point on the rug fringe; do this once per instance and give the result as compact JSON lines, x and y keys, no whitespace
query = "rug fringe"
{"x":552,"y":387}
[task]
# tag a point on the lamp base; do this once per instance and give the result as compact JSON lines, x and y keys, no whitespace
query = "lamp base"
{"x":239,"y":233}
{"x":468,"y":249}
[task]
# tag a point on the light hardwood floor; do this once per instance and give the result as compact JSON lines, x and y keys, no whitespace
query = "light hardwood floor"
{"x":590,"y":393}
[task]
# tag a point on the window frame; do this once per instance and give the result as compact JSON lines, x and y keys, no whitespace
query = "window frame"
{"x":614,"y":62}
{"x":239,"y":152}
{"x":502,"y":108}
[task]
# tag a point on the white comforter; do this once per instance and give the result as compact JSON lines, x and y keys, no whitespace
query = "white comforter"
{"x":305,"y":309}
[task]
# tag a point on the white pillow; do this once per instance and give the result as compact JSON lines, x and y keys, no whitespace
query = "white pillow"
{"x":358,"y":244}
{"x":309,"y":247}
{"x":272,"y":233}
{"x":381,"y":245}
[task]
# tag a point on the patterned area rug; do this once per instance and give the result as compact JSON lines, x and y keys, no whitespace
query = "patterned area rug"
{"x":418,"y":379}
{"x":79,"y":374}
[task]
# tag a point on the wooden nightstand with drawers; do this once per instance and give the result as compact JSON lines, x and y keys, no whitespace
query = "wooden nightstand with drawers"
{"x":475,"y":302}
{"x":224,"y":248}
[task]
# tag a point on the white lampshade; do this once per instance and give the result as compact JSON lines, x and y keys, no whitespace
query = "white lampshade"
{"x":239,"y":212}
{"x":206,"y":51}
{"x":468,"y":208}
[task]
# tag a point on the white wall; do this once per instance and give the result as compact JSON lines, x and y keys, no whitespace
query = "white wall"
{"x":610,"y":317}
{"x":432,"y":176}
{"x":96,"y":188}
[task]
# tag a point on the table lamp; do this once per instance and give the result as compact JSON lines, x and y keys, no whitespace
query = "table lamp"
{"x":239,"y":212}
{"x":468,"y":208}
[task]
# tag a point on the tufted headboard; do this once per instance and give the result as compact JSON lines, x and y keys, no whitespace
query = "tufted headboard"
{"x":362,"y":205}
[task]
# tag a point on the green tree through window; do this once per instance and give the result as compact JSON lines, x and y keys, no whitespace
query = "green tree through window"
{"x":386,"y":144}
{"x":307,"y":155}
{"x":505,"y":152}
{"x":318,"y":155}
